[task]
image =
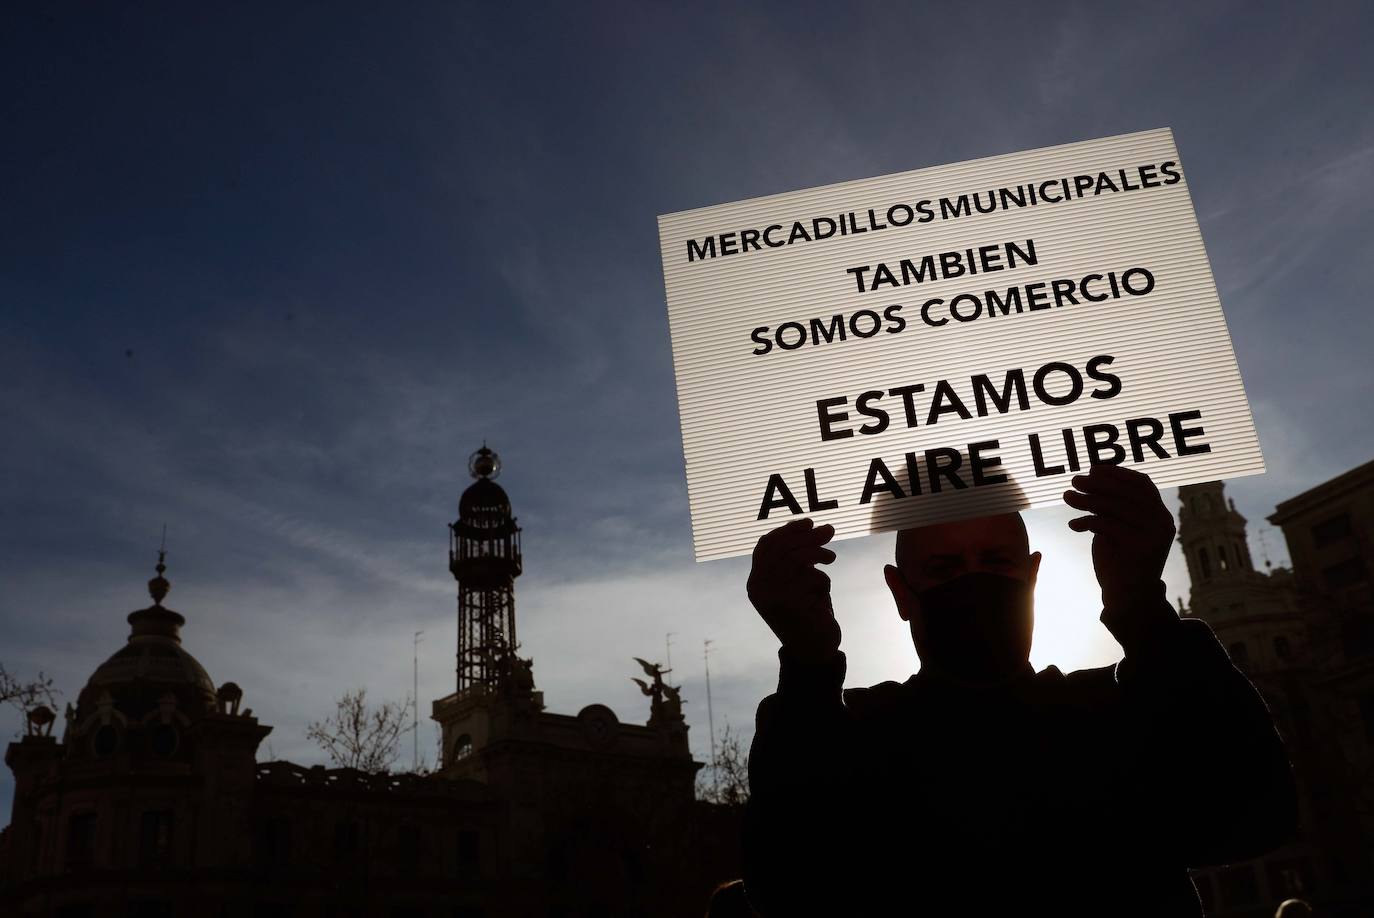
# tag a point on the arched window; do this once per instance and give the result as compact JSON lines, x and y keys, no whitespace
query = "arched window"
{"x":1204,"y":563}
{"x":462,"y":747}
{"x":1222,"y":561}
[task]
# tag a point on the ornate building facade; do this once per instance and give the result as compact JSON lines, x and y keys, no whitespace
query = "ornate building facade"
{"x":1276,"y":625}
{"x":152,"y":802}
{"x":608,"y":786}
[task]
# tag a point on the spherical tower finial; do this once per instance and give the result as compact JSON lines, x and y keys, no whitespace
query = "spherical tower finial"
{"x":484,"y":463}
{"x":159,"y":585}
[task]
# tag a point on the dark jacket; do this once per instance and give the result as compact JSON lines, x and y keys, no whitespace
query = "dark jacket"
{"x":1082,"y":794}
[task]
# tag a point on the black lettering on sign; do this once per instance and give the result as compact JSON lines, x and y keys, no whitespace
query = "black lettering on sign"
{"x":776,"y":496}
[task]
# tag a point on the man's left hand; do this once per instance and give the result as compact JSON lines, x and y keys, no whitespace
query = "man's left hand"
{"x":1132,"y":529}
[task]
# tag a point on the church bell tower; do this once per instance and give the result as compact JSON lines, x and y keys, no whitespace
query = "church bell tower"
{"x":1212,"y":535}
{"x":1252,"y":613}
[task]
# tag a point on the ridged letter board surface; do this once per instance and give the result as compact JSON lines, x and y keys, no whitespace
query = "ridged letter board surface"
{"x":948,"y":342}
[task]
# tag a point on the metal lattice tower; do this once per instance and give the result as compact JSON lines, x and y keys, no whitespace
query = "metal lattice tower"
{"x":484,"y":556}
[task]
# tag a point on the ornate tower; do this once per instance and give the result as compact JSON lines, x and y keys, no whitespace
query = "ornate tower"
{"x":1254,"y":614}
{"x":484,"y":556}
{"x":592,"y":808}
{"x":495,"y":693}
{"x":1212,"y":533}
{"x":148,"y":790}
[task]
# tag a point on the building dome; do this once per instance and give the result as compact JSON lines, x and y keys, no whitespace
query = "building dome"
{"x":482,"y":498}
{"x":152,"y":665}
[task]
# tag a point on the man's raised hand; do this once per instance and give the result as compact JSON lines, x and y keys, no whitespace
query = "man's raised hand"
{"x":791,"y":594}
{"x":1132,"y":529}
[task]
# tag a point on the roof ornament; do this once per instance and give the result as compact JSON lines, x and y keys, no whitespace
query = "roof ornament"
{"x":484,"y":463}
{"x":40,"y":720}
{"x":665,"y":701}
{"x":159,"y":586}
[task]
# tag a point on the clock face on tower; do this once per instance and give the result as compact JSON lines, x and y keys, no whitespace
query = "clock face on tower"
{"x":599,"y":726}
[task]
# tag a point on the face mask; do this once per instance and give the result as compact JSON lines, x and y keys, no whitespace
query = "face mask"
{"x":977,"y":626}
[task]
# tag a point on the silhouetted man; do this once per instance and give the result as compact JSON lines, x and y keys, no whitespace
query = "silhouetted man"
{"x":978,"y":786}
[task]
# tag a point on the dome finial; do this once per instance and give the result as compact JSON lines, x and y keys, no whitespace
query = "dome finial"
{"x":159,"y":586}
{"x":484,"y":463}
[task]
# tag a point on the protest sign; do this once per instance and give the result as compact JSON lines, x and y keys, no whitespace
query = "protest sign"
{"x":948,"y":342}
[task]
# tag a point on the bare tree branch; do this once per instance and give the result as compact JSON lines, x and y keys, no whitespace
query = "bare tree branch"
{"x":356,"y":736}
{"x":727,"y":781}
{"x":25,"y":695}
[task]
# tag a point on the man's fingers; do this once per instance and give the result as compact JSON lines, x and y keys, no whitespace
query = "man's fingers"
{"x":822,"y":534}
{"x":1118,"y":472}
{"x":1135,"y":506}
{"x":807,"y":555}
{"x":1104,"y":526}
{"x":787,"y":531}
{"x":1141,"y":510}
{"x":1104,"y":505}
{"x":1119,"y":481}
{"x":797,"y":532}
{"x":817,"y":536}
{"x":798,"y":540}
{"x":1113,"y":488}
{"x":782,"y":533}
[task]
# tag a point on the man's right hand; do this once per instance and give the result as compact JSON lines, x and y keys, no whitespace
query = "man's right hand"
{"x":791,"y":595}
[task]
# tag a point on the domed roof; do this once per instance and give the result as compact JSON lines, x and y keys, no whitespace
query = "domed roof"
{"x":484,"y":495}
{"x":151,"y":665}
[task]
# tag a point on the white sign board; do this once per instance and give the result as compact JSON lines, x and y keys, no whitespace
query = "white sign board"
{"x":948,"y":342}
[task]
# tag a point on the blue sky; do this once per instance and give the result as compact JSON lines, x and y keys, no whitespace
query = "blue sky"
{"x":269,"y":274}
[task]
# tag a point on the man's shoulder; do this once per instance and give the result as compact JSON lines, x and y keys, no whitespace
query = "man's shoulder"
{"x":1090,"y":688}
{"x":874,"y":700}
{"x":1087,"y":690}
{"x":1092,"y":677}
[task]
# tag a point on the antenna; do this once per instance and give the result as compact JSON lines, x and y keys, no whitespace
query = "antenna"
{"x":710,"y":714}
{"x":163,"y":546}
{"x":415,"y":704}
{"x":1264,"y":549}
{"x":668,"y":647}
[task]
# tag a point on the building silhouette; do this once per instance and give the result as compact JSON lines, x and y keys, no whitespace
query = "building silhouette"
{"x":152,"y":801}
{"x":147,"y":799}
{"x":1302,"y":637}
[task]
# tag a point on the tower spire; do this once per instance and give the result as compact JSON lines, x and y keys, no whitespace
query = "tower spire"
{"x":157,"y":621}
{"x":1212,"y":535}
{"x":160,"y":586}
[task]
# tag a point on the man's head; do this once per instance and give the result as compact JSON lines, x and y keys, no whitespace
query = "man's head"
{"x":965,"y":588}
